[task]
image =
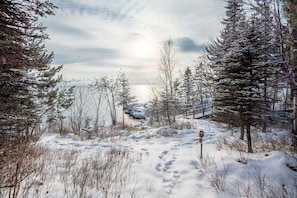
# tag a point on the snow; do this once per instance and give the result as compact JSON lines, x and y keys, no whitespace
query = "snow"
{"x":166,"y":163}
{"x":137,"y":111}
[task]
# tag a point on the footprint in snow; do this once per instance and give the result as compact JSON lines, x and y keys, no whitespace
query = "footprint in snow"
{"x":175,"y":148}
{"x":170,"y":178}
{"x":168,"y":166}
{"x":164,"y":153}
{"x":146,"y":152}
{"x":158,"y":167}
{"x":176,"y":175}
{"x":168,"y":185}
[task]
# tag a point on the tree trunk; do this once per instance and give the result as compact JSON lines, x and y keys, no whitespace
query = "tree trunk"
{"x":61,"y":126}
{"x":294,"y":64}
{"x":123,"y":118}
{"x":168,"y":114}
{"x":249,"y":139}
{"x":241,"y":124}
{"x":264,"y":121}
{"x":241,"y":133}
{"x":294,"y":128}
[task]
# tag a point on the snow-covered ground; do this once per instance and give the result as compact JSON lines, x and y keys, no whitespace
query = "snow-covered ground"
{"x":163,"y":162}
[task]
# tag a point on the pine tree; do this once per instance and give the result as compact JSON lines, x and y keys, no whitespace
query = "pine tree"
{"x":187,"y":88}
{"x":250,"y":95}
{"x":291,"y":10}
{"x":202,"y":81}
{"x":22,"y":56}
{"x":273,"y":59}
{"x":239,"y":76}
{"x":124,"y":97}
{"x":59,"y":98}
{"x":225,"y":63}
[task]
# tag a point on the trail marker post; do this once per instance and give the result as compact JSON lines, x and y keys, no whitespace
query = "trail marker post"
{"x":201,"y":135}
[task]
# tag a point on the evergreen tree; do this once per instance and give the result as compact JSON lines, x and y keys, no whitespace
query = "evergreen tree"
{"x":187,"y":88}
{"x":225,"y":63}
{"x":203,"y":86}
{"x":238,"y":95}
{"x":273,"y":58}
{"x":249,"y":95}
{"x":291,"y":10}
{"x":22,"y":56}
{"x":124,"y":94}
{"x":59,"y":99}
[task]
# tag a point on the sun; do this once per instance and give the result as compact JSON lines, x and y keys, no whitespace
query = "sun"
{"x":143,"y":48}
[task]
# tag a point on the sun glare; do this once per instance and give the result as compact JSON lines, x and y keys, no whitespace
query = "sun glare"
{"x":143,"y":49}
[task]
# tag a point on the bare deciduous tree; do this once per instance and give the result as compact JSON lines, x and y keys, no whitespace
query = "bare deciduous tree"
{"x":79,"y":110}
{"x":167,"y":67}
{"x":97,"y":102}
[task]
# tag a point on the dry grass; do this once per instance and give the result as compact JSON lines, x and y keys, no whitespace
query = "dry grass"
{"x":259,"y":144}
{"x":256,"y":183}
{"x":202,"y":163}
{"x":260,"y":185}
{"x":20,"y":160}
{"x":34,"y":171}
{"x":215,"y":176}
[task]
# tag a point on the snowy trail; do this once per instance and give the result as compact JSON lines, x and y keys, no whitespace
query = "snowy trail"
{"x":169,"y":174}
{"x":164,"y":167}
{"x":167,"y":163}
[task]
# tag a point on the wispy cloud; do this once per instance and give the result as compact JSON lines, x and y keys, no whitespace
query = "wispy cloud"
{"x":100,"y":34}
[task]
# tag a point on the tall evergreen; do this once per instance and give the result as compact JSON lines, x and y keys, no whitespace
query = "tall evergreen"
{"x":23,"y":58}
{"x":273,"y":59}
{"x":203,"y":86}
{"x":124,"y":97}
{"x":239,"y":76}
{"x":225,"y":63}
{"x":291,"y":11}
{"x":187,"y":86}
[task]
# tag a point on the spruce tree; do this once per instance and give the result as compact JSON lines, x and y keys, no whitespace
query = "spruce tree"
{"x":202,"y":82}
{"x":238,"y":95}
{"x":225,"y":63}
{"x":273,"y":59}
{"x":291,"y":11}
{"x":187,"y":89}
{"x":124,"y":96}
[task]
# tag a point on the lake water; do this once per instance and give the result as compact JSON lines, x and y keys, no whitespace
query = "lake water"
{"x":141,"y":92}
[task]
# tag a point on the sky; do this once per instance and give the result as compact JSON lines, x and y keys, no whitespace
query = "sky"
{"x":94,"y":38}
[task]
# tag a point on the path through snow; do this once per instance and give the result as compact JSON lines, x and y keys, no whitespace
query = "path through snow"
{"x":166,"y":167}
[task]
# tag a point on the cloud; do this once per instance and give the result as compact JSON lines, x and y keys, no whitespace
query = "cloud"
{"x":186,"y":44}
{"x":102,"y":35}
{"x":70,"y":31}
{"x":93,"y":56}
